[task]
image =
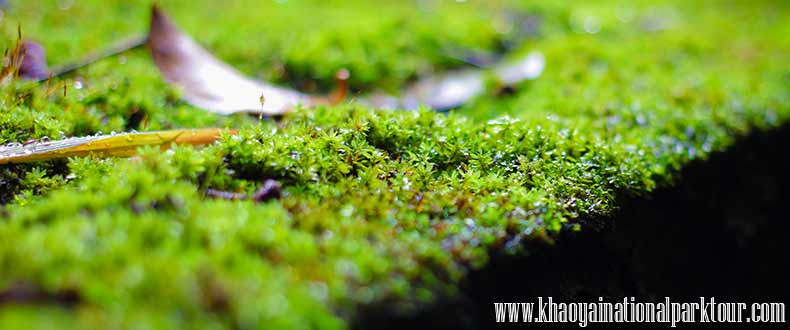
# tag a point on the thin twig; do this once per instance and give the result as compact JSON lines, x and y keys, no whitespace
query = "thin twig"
{"x":120,"y":47}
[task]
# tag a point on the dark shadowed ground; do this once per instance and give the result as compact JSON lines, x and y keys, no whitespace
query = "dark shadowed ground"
{"x":721,"y":232}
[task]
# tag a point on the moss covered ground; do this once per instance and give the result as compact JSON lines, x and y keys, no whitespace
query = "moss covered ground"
{"x":378,"y":206}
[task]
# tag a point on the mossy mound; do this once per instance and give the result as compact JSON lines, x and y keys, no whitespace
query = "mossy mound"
{"x":377,"y":206}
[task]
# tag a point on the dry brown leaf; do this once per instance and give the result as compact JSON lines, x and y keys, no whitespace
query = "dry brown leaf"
{"x":208,"y":83}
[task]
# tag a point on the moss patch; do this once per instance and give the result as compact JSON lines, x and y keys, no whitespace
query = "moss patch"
{"x":377,"y":206}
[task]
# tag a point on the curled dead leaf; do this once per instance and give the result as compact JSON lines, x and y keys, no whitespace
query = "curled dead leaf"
{"x":208,"y":83}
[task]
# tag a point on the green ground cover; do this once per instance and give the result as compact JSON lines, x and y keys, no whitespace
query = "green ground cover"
{"x":378,"y":206}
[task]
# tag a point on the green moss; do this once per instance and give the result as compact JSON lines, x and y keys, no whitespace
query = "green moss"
{"x":377,"y":205}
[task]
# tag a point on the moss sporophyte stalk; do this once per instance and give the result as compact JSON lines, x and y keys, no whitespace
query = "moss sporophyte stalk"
{"x":376,"y":206}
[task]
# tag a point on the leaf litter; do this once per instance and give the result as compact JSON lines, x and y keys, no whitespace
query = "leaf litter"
{"x":213,"y":85}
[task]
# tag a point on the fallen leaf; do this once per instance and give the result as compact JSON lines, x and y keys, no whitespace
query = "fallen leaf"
{"x":117,"y":145}
{"x":208,"y":83}
{"x":528,"y":68}
{"x":450,"y":90}
{"x":34,"y":62}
